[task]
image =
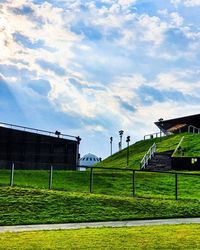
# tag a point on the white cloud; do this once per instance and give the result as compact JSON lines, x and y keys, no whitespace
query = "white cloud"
{"x":176,"y":19}
{"x":109,"y":70}
{"x":152,"y":29}
{"x":187,"y":3}
{"x":173,"y":81}
{"x":175,"y":2}
{"x":192,"y":3}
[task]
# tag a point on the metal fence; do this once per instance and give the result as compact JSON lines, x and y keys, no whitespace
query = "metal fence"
{"x":115,"y":181}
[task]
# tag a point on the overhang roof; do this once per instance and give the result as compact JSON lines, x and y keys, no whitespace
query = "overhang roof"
{"x":180,"y":122}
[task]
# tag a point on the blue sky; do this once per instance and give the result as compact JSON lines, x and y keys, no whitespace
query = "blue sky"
{"x":91,"y":68}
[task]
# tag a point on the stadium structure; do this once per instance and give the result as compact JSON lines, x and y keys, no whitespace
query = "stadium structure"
{"x":30,"y":148}
{"x":177,"y":159}
{"x":179,"y":125}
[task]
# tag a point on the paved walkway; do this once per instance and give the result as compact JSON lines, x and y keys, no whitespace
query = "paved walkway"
{"x":135,"y":223}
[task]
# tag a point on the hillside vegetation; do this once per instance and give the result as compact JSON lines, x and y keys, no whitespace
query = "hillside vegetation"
{"x":109,"y":181}
{"x":191,"y":144}
{"x":34,"y":206}
{"x":138,"y":150}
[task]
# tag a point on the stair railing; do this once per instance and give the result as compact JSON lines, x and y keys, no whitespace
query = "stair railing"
{"x":193,"y":129}
{"x":149,"y":154}
{"x":177,"y":147}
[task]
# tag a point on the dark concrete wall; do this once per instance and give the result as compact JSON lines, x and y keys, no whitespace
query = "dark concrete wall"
{"x":36,"y":151}
{"x":186,"y":163}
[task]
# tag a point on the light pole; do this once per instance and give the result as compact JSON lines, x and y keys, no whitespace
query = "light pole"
{"x":77,"y":150}
{"x":128,"y":140}
{"x":111,"y":140}
{"x":57,"y":133}
{"x":161,"y":124}
{"x":120,"y":136}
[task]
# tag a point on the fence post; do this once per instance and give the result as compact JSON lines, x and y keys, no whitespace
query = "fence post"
{"x":50,"y":177}
{"x":133,"y":182}
{"x":176,"y":186}
{"x":12,"y":174}
{"x":91,"y":180}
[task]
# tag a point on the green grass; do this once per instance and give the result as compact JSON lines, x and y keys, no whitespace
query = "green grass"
{"x":190,"y":146}
{"x":62,"y":180}
{"x":113,"y":182}
{"x":33,"y":206}
{"x":144,"y":237}
{"x":139,"y":149}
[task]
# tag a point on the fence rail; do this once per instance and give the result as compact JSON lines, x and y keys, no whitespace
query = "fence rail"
{"x":91,"y":181}
{"x":34,"y":130}
{"x":193,"y":129}
{"x":178,"y":146}
{"x":155,"y":135}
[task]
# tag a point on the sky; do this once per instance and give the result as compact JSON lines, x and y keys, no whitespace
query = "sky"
{"x":92,"y":68}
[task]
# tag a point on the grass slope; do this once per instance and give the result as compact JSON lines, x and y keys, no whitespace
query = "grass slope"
{"x":146,"y":237}
{"x":155,"y":185}
{"x":32,"y":206}
{"x":190,"y":146}
{"x":139,"y":149}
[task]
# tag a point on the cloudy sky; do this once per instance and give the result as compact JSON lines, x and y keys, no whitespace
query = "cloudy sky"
{"x":91,"y":68}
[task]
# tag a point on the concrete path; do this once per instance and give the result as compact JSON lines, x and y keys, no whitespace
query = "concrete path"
{"x":135,"y":223}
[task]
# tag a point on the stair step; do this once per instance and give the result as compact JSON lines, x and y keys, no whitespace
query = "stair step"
{"x":160,"y":161}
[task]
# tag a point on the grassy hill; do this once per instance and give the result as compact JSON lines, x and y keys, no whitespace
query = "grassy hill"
{"x":190,"y":146}
{"x":112,"y":182}
{"x":191,"y":143}
{"x":34,"y":206}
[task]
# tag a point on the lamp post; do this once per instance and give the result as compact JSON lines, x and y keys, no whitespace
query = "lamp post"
{"x":120,"y":136}
{"x":77,"y":150}
{"x":111,"y":140}
{"x":161,"y":124}
{"x":128,"y":140}
{"x":57,"y":133}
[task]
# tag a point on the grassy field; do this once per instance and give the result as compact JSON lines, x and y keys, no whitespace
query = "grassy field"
{"x":154,"y":185}
{"x":33,"y":206}
{"x":148,"y":237}
{"x":138,"y":150}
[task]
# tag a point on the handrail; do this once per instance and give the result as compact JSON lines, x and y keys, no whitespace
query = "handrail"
{"x":34,"y":130}
{"x":156,"y":135}
{"x":139,"y":170}
{"x":193,"y":129}
{"x":177,"y":147}
{"x":150,"y":153}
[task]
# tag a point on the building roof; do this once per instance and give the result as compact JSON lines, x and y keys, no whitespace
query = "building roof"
{"x":39,"y":131}
{"x":175,"y":124}
{"x":89,"y":160}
